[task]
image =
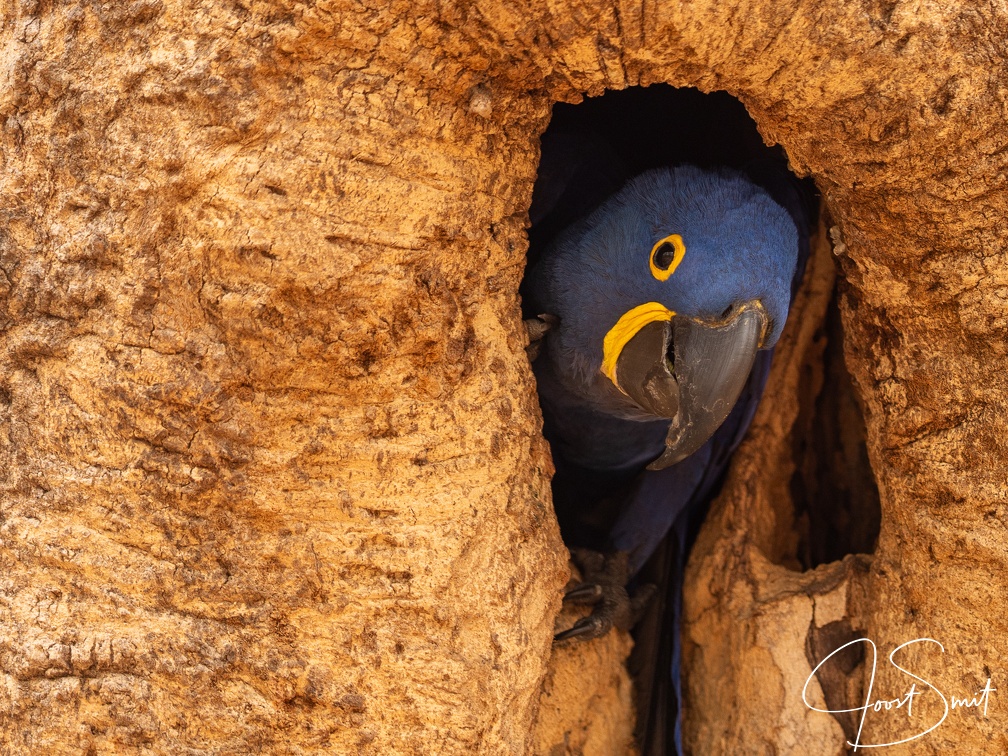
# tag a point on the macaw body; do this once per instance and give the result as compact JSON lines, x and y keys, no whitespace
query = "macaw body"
{"x":669,"y":290}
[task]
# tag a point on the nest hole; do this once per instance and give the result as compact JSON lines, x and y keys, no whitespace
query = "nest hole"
{"x":834,"y":495}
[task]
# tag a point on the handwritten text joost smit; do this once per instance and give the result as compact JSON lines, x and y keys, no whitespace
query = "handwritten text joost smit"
{"x":901,"y":704}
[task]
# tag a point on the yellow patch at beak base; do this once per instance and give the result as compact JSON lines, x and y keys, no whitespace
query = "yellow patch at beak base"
{"x":625,"y":329}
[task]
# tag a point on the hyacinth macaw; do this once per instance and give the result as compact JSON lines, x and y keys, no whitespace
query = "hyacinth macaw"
{"x":655,"y":302}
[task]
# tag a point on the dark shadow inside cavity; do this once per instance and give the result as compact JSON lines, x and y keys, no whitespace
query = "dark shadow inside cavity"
{"x":836,"y":499}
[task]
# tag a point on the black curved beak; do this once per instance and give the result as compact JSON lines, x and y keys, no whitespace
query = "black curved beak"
{"x":691,"y":372}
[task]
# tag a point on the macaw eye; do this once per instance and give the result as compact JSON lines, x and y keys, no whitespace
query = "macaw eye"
{"x":666,"y":256}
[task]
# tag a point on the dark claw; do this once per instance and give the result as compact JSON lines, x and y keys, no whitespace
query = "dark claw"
{"x":586,"y":628}
{"x":586,"y":593}
{"x":605,"y":578}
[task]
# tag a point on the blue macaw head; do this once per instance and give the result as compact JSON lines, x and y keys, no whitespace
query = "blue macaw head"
{"x":664,"y":294}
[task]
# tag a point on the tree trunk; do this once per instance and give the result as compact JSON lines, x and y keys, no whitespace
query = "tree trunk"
{"x":272,"y":476}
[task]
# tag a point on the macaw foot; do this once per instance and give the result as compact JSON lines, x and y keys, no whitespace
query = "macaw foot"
{"x":604,"y":579}
{"x":536,"y":328}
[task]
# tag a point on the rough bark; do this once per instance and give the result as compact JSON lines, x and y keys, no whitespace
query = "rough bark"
{"x":272,"y":475}
{"x":271,"y":470}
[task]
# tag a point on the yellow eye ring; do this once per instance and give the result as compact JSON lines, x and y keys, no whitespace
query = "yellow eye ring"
{"x":663,"y":259}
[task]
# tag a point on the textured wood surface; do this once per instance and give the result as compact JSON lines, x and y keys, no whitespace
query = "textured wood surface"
{"x":271,"y":475}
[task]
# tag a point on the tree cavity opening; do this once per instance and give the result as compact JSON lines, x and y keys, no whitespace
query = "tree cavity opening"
{"x":834,"y":496}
